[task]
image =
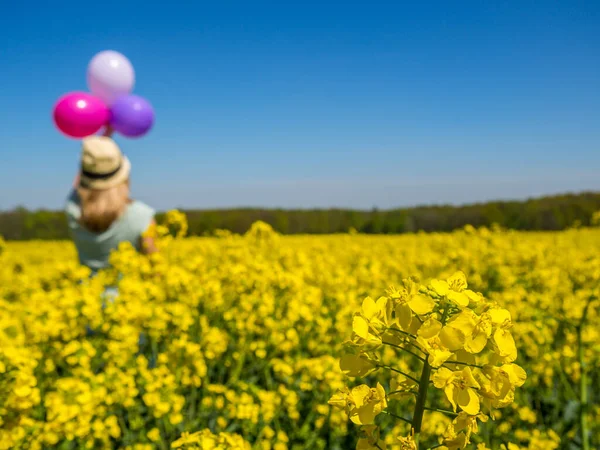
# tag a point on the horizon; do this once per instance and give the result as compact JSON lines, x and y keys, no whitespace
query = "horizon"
{"x":334,"y":208}
{"x":315,"y":106}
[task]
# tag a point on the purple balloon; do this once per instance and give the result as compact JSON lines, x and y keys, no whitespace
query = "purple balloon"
{"x":132,"y":116}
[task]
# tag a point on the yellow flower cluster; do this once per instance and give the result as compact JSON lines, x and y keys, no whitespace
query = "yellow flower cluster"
{"x":173,"y":225}
{"x":235,"y":341}
{"x":463,"y":341}
{"x":205,"y":440}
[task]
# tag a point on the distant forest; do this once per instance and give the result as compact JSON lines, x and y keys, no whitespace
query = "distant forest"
{"x":545,"y":213}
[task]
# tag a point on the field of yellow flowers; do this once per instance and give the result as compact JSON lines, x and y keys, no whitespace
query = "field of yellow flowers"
{"x":483,"y":339}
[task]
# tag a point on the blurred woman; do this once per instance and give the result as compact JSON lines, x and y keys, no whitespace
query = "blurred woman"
{"x":99,"y":210}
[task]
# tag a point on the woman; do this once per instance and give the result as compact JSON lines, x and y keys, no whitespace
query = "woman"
{"x":99,"y":211}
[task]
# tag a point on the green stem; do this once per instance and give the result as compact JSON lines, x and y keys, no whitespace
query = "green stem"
{"x":565,"y":382}
{"x":402,"y":332}
{"x":383,"y":366}
{"x":464,"y":364}
{"x":583,"y":383}
{"x":238,"y":367}
{"x":192,"y":405}
{"x":444,"y":411}
{"x":400,"y":391}
{"x":123,"y":425}
{"x":583,"y":400}
{"x":422,"y":396}
{"x":412,"y":336}
{"x":417,"y":347}
{"x":397,"y":417}
{"x":405,"y":350}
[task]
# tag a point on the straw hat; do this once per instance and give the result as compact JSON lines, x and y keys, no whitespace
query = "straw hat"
{"x":102,"y":164}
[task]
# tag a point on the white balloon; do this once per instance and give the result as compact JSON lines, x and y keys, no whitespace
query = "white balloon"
{"x":110,"y":75}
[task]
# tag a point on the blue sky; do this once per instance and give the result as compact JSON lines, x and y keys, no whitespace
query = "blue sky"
{"x":304,"y":104}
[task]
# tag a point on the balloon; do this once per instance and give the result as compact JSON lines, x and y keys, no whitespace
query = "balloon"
{"x":132,"y":116}
{"x":79,"y":114}
{"x":110,"y":75}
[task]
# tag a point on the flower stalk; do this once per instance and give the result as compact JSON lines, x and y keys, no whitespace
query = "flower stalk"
{"x":421,"y":398}
{"x":583,"y":382}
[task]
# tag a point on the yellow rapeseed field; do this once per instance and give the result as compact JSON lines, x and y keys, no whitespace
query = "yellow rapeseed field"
{"x":482,"y":339}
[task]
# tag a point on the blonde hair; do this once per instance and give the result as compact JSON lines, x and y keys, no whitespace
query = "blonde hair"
{"x":101,"y":207}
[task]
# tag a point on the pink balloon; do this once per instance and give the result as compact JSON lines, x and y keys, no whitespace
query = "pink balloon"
{"x":79,"y":114}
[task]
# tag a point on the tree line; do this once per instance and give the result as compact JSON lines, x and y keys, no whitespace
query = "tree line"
{"x":545,"y":213}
